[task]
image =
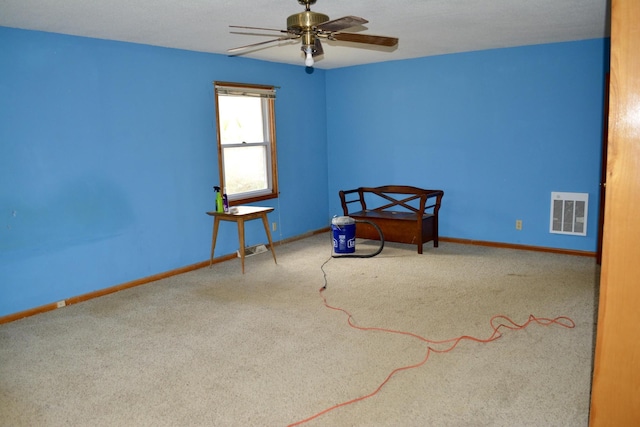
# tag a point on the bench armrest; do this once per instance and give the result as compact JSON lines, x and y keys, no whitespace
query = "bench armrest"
{"x":347,"y":197}
{"x":429,"y":196}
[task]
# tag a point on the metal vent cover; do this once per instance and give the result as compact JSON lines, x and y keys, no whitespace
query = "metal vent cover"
{"x":569,"y":213}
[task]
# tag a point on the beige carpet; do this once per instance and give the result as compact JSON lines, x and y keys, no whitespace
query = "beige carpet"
{"x":217,"y":348}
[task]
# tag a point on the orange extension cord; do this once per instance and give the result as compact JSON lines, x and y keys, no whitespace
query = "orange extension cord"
{"x":563,"y":321}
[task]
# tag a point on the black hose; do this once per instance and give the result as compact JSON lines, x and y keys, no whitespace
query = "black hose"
{"x":366,"y":255}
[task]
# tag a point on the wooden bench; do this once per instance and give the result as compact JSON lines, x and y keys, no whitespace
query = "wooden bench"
{"x":405,"y":214}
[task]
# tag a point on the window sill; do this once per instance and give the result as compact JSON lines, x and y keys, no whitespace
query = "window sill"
{"x":244,"y":201}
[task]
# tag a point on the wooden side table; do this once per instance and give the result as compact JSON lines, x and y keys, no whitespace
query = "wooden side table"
{"x":240,"y":215}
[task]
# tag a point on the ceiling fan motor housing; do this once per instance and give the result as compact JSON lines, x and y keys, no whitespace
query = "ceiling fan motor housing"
{"x":305,"y":20}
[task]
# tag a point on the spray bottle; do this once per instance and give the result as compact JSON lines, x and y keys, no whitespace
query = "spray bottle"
{"x":219,"y":203}
{"x":225,"y":201}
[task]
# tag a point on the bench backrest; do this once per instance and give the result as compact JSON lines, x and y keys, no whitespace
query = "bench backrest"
{"x":393,"y":198}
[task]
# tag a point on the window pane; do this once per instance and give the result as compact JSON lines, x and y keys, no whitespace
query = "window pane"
{"x":245,"y":169}
{"x":240,"y":119}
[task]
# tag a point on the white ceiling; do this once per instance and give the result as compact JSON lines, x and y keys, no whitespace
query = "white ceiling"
{"x":424,"y":27}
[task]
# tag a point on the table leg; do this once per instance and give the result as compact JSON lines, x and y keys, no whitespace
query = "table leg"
{"x":241,"y":240}
{"x":266,"y":229}
{"x":214,"y":235}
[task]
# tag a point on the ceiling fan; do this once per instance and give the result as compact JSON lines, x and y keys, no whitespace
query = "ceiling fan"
{"x":312,"y":26}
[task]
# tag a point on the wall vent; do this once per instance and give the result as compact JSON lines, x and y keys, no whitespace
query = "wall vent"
{"x":569,"y":213}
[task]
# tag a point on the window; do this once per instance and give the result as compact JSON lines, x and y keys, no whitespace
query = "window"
{"x":246,"y":141}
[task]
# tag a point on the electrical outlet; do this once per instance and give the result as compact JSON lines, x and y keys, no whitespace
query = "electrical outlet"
{"x":518,"y":224}
{"x":274,"y":226}
{"x":61,"y":304}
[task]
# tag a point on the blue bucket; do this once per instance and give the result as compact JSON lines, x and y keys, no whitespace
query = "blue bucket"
{"x":344,"y":234}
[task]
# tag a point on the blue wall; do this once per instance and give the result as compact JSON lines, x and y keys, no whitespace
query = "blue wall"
{"x":497,"y":130}
{"x":108,"y":158}
{"x":108,"y":150}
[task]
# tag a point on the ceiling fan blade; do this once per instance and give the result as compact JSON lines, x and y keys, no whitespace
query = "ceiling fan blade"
{"x":341,"y":23}
{"x":364,"y":38}
{"x":249,"y":33}
{"x":258,"y":28}
{"x":237,"y":49}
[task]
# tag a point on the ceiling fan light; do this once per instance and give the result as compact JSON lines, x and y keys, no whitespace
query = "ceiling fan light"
{"x":309,"y":58}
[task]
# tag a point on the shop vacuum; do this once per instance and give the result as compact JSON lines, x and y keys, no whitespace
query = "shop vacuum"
{"x":343,"y":230}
